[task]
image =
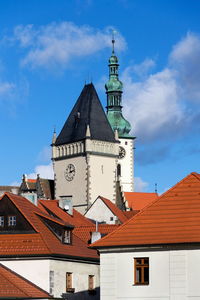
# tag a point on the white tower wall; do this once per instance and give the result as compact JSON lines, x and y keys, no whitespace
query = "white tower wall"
{"x":127,"y":165}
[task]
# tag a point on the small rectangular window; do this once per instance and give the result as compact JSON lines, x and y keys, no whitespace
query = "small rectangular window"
{"x":91,"y":282}
{"x":69,"y":287}
{"x":1,"y":221}
{"x":141,"y":270}
{"x":67,"y":237}
{"x":12,"y":221}
{"x":51,"y":282}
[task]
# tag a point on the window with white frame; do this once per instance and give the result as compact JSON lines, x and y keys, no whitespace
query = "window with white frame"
{"x":12,"y":221}
{"x":67,"y":237}
{"x":1,"y":221}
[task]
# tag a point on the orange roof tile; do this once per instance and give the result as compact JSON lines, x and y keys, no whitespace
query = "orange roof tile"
{"x":115,"y":210}
{"x":52,"y":206}
{"x":31,"y":180}
{"x":173,"y":218}
{"x":84,"y":232}
{"x":43,"y":241}
{"x":137,"y":201}
{"x":14,"y":286}
{"x":129,"y":214}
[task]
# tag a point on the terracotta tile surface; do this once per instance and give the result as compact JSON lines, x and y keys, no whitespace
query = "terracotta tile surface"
{"x":173,"y":218}
{"x":131,"y":213}
{"x":83,"y":226}
{"x":84,"y":232}
{"x":43,"y":241}
{"x":137,"y":201}
{"x":31,"y":180}
{"x":76,"y":219}
{"x":115,"y":210}
{"x":14,"y":286}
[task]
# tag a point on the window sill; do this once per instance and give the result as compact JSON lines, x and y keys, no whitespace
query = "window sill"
{"x":140,"y":284}
{"x":70,"y":290}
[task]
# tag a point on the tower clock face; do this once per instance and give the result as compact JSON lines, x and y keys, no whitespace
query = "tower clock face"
{"x":70,"y":172}
{"x":122,"y":152}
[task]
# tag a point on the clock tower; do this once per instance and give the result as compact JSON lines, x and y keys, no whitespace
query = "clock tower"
{"x":114,"y":90}
{"x":85,"y":154}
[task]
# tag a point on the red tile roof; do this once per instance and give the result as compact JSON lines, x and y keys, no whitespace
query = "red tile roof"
{"x":129,"y":214}
{"x":84,"y":232}
{"x":173,"y":218}
{"x":43,"y":241}
{"x":137,"y":201}
{"x":31,"y":180}
{"x":115,"y":210}
{"x":13,"y":286}
{"x":52,"y":206}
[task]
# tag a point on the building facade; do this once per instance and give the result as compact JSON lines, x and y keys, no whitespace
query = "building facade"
{"x":85,"y":154}
{"x":156,"y":254}
{"x":93,"y":154}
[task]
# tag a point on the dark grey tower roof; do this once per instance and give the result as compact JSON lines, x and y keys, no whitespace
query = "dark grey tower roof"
{"x":87,"y":111}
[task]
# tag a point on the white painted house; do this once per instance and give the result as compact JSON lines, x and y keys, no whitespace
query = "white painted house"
{"x":156,"y":254}
{"x":43,"y":249}
{"x":104,"y":211}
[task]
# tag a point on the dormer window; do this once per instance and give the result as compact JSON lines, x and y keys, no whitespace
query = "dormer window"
{"x":67,"y":236}
{"x":12,"y":221}
{"x":1,"y":221}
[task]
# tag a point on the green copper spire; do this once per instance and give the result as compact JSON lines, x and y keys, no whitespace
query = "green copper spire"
{"x":114,"y":90}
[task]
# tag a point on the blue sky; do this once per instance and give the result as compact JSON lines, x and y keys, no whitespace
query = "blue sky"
{"x":49,"y":49}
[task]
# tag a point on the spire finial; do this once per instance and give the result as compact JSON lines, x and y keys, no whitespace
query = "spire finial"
{"x":54,"y":136}
{"x":113,"y":41}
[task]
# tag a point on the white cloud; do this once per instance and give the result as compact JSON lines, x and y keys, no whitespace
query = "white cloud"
{"x":45,"y":171}
{"x":6,"y":89}
{"x":45,"y":154}
{"x":159,"y":104}
{"x":139,"y":184}
{"x":141,"y":70}
{"x":152,"y":105}
{"x":185,"y":59}
{"x":57,"y":43}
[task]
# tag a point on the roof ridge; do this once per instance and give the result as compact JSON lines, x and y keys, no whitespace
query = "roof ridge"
{"x":142,"y":210}
{"x":26,"y":217}
{"x":13,"y":281}
{"x":115,"y":207}
{"x":53,"y":219}
{"x":146,"y":212}
{"x":197,"y":175}
{"x":22,"y":278}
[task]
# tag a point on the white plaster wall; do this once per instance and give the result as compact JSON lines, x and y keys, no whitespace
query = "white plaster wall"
{"x":193,"y":275}
{"x":102,"y":177}
{"x":173,"y":275}
{"x":100,"y":212}
{"x":76,"y":187}
{"x":36,"y":271}
{"x":127,"y":165}
{"x":178,"y":275}
{"x":80,"y":273}
{"x":108,"y":272}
